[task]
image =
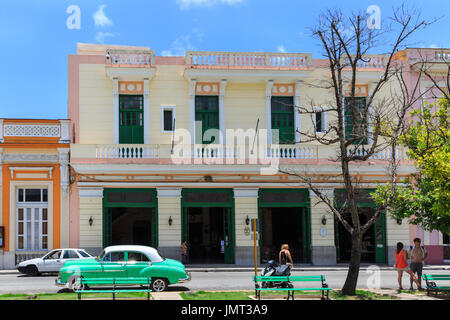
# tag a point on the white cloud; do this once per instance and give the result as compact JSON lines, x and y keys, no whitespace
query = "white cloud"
{"x":185,"y":4}
{"x":100,"y":36}
{"x":281,"y":48}
{"x":179,"y":46}
{"x":100,"y":18}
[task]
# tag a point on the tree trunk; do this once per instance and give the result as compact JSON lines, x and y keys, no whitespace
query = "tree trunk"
{"x":355,"y":261}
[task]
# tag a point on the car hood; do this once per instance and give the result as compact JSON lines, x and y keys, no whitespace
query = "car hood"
{"x":28,"y":262}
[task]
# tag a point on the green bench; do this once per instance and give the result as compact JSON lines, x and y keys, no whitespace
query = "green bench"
{"x":114,"y":282}
{"x":323,"y":287}
{"x":430,"y":280}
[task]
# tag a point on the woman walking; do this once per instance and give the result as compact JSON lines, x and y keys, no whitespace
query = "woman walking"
{"x":285,"y":257}
{"x":401,"y":257}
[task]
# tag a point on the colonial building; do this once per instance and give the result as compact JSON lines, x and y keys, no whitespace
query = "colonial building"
{"x":429,"y":68}
{"x":154,"y":158}
{"x":34,"y":187}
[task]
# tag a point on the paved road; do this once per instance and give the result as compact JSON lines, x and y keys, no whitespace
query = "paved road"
{"x":16,"y":283}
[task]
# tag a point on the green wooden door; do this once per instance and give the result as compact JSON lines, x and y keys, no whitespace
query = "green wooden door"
{"x":131,"y":119}
{"x":283,"y":119}
{"x":228,"y":235}
{"x":207,"y":112}
{"x":350,"y":125}
{"x":380,"y":239}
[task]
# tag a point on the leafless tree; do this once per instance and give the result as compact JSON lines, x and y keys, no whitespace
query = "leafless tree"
{"x":360,"y":130}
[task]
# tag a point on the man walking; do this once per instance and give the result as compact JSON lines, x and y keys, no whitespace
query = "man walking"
{"x":418,"y":256}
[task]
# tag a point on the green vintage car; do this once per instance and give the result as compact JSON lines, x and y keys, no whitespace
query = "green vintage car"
{"x":125,"y":262}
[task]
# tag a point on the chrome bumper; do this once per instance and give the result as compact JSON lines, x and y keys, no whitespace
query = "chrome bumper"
{"x":59,"y":283}
{"x":188,"y":278}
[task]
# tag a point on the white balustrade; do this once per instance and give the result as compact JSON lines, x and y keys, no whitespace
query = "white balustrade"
{"x":230,"y":59}
{"x":443,"y":56}
{"x":385,"y":154}
{"x":292,"y":152}
{"x":127,"y":151}
{"x":130,"y":57}
{"x":370,"y":61}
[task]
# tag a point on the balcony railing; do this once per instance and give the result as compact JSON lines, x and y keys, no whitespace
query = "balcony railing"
{"x":15,"y":129}
{"x":376,"y":61}
{"x":250,"y":60}
{"x":443,"y":56}
{"x":222,"y":152}
{"x":133,"y":58}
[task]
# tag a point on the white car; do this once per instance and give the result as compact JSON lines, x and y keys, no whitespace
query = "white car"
{"x":52,"y":261}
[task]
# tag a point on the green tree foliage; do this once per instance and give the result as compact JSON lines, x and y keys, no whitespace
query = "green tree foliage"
{"x":425,"y":197}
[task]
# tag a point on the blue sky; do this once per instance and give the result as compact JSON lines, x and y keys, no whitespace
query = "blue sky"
{"x":35,"y":40}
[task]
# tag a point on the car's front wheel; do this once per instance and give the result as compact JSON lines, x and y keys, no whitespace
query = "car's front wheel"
{"x":74,"y":284}
{"x":32,"y":271}
{"x":159,"y":284}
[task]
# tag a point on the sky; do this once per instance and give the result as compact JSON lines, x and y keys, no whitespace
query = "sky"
{"x":36,"y":36}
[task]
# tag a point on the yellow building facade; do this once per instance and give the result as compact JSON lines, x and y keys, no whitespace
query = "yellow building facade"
{"x":144,"y":170}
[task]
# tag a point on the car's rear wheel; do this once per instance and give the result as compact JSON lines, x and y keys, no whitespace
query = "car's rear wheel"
{"x":159,"y":284}
{"x":32,"y":271}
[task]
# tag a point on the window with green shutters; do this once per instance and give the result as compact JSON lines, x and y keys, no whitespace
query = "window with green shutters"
{"x":283,"y":119}
{"x":207,"y":111}
{"x":131,"y":119}
{"x":355,"y":130}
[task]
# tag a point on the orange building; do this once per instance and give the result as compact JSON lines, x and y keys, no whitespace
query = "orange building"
{"x":34,"y":184}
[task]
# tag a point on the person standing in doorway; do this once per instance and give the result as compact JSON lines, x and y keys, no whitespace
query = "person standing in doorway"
{"x":418,"y":256}
{"x":184,"y":252}
{"x":285,"y":257}
{"x":401,"y":264}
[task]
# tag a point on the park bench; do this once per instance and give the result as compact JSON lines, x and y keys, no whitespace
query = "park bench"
{"x":115,"y":283}
{"x":323,"y":287}
{"x":432,"y":286}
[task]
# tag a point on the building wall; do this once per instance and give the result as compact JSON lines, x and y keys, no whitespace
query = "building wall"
{"x":91,"y":205}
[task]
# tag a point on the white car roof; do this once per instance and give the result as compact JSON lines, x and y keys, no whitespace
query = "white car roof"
{"x":152,"y":253}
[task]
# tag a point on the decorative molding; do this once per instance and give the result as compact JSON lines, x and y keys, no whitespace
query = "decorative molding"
{"x":131,"y":87}
{"x":283,"y":89}
{"x":30,"y":157}
{"x":115,"y":110}
{"x":245,"y":192}
{"x":65,"y":135}
{"x":49,"y":169}
{"x":361,"y":90}
{"x":207,"y":88}
{"x":269,"y":86}
{"x":90,"y":192}
{"x":168,"y":192}
{"x":32,"y":130}
{"x":64,"y":169}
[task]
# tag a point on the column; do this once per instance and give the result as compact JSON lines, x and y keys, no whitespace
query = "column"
{"x":116,"y":110}
{"x":146,"y":111}
{"x":223,"y":85}
{"x":269,"y":85}
{"x":65,"y":138}
{"x":1,"y":131}
{"x":64,"y":203}
{"x":323,"y":248}
{"x":298,"y":84}
{"x":245,"y":205}
{"x":91,"y":206}
{"x":169,"y":208}
{"x":192,"y":84}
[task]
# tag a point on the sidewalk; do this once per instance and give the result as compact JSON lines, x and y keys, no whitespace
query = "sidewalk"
{"x":233,"y":268}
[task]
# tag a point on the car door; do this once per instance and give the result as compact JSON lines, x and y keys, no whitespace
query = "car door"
{"x":68,"y":255}
{"x":136,"y":262}
{"x":51,"y":261}
{"x":113,"y":265}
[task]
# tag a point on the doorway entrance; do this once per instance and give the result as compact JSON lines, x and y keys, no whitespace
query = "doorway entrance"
{"x":374,"y":240}
{"x":130,"y":217}
{"x":208,"y":225}
{"x":284,"y":218}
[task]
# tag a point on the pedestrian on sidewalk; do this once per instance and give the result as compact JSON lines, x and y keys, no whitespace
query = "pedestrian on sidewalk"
{"x":184,"y":252}
{"x":401,"y":264}
{"x":285,"y":257}
{"x":418,"y":255}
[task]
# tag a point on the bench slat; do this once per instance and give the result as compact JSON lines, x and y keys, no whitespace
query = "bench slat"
{"x":110,"y":291}
{"x":292,"y":289}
